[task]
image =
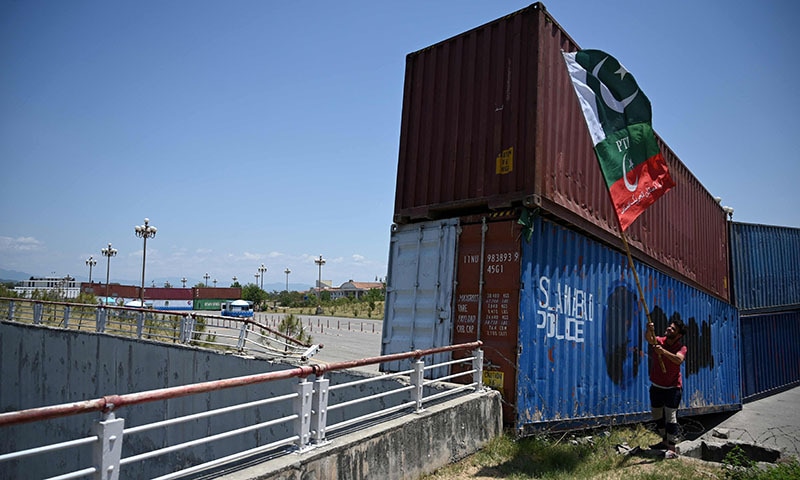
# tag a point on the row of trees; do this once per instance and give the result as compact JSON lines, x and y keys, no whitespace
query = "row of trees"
{"x":263,"y":300}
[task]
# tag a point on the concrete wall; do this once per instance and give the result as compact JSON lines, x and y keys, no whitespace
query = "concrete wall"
{"x":401,"y":449}
{"x":42,"y":366}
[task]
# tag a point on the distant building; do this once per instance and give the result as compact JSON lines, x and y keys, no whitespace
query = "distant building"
{"x":64,"y":287}
{"x":354,"y":289}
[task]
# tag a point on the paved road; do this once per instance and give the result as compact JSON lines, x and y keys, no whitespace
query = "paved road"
{"x":344,"y":339}
{"x":772,"y":422}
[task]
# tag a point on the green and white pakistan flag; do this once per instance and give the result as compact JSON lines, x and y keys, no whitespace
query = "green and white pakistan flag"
{"x":618,"y":115}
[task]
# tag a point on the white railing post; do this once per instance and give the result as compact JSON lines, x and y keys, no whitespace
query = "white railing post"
{"x":187,"y":327}
{"x":319,"y":410}
{"x":242,"y":336}
{"x":302,"y":407}
{"x":139,"y":324}
{"x":108,"y":449}
{"x":67,"y":311}
{"x":477,"y":365}
{"x":100,"y":319}
{"x":417,"y":377}
{"x":11,"y":311}
{"x":37,"y":313}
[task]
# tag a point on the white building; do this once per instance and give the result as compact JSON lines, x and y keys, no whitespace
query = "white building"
{"x":354,"y":289}
{"x":63,"y":287}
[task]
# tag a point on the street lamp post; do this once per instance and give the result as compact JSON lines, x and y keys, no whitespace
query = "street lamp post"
{"x":91,"y":262}
{"x":320,"y":262}
{"x":183,"y":281}
{"x":262,"y":270}
{"x":144,"y":231}
{"x":206,"y":276}
{"x":256,"y":275}
{"x":234,"y":280}
{"x":287,"y":272}
{"x":215,"y":283}
{"x":108,"y":252}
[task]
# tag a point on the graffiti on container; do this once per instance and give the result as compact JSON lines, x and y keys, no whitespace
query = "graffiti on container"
{"x":623,"y":336}
{"x":563,"y":310}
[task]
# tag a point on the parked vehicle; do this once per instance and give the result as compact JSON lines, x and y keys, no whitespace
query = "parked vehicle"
{"x":237,"y":308}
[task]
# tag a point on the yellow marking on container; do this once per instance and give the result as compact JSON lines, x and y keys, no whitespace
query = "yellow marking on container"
{"x":505,"y":162}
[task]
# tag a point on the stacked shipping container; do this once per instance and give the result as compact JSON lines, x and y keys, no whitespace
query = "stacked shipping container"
{"x":490,"y":121}
{"x":163,"y":298}
{"x":765,"y":265}
{"x":559,"y":316}
{"x":505,"y":233}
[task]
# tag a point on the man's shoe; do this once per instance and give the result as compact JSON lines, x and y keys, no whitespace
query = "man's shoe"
{"x":660,"y":446}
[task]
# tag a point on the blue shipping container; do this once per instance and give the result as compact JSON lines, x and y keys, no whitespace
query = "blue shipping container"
{"x":582,"y":357}
{"x":765,"y":264}
{"x":770,"y":353}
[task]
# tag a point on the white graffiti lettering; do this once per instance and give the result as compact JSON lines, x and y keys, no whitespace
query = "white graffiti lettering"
{"x":563,"y":310}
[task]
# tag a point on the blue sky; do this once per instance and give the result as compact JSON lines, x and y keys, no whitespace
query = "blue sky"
{"x":255,"y":132}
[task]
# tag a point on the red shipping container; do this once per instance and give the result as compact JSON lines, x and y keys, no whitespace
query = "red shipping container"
{"x":491,"y":121}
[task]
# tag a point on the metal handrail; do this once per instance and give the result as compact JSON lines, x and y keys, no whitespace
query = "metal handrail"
{"x":309,"y":413}
{"x":301,"y":441}
{"x":173,"y":326}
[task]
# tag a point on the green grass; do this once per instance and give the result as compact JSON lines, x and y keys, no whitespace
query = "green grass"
{"x":595,"y":456}
{"x":346,"y":310}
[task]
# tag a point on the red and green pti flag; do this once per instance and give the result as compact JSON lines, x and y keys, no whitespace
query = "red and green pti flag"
{"x":619,"y":117}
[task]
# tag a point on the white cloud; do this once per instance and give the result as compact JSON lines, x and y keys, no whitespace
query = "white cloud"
{"x":20,"y":244}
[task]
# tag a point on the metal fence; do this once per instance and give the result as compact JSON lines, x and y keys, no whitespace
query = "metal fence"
{"x":311,"y":412}
{"x":241,"y":335}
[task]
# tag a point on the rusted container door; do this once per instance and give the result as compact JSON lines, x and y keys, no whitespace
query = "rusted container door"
{"x":487,"y":300}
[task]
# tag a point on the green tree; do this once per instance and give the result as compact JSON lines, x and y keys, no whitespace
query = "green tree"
{"x":7,"y":290}
{"x":252,"y":293}
{"x":292,"y":326}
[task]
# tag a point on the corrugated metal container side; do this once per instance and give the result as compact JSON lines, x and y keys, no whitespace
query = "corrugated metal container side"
{"x":168,"y":293}
{"x":770,"y":353}
{"x":490,"y":121}
{"x":229,"y":293}
{"x":114,"y":290}
{"x":419,"y":290}
{"x":582,"y":357}
{"x":208,"y":304}
{"x":765,"y":265}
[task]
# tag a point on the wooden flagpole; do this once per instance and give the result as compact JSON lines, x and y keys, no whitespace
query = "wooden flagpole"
{"x":641,"y":292}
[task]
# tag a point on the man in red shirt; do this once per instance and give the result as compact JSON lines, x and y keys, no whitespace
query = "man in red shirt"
{"x":667,"y":353}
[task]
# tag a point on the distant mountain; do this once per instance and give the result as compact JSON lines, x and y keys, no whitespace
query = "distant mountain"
{"x":14,"y":275}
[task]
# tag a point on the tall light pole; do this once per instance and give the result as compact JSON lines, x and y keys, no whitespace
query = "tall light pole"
{"x":256,"y":275}
{"x":215,"y":283}
{"x":144,"y":231}
{"x":108,"y":252}
{"x":262,"y":270}
{"x":206,"y":276}
{"x":91,"y":262}
{"x":183,"y":281}
{"x":287,"y":272}
{"x":320,"y":262}
{"x":234,"y":280}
